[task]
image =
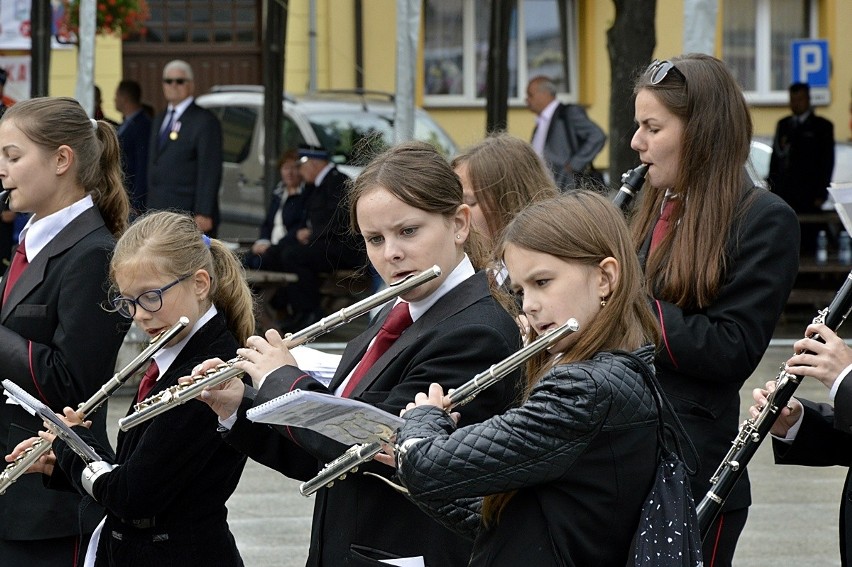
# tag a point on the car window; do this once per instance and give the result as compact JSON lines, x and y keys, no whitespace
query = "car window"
{"x":427,"y":131}
{"x":291,"y":137}
{"x":238,"y":124}
{"x":352,"y":138}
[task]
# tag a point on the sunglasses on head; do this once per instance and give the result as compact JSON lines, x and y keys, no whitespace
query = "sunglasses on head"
{"x":658,"y":70}
{"x":179,"y":81}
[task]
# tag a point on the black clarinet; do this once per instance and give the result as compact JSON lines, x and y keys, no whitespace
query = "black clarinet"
{"x":4,"y":200}
{"x":631,"y":183}
{"x":755,"y":430}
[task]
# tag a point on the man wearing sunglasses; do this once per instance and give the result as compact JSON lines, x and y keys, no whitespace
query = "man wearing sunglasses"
{"x":185,"y":152}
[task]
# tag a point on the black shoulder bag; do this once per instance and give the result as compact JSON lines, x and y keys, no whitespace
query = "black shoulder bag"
{"x":668,"y":534}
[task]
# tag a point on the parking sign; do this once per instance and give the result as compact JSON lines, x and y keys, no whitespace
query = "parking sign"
{"x":811,"y":65}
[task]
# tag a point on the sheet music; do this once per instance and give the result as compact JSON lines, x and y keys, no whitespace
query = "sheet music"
{"x":57,"y":426}
{"x":345,"y":420}
{"x":841,"y":193}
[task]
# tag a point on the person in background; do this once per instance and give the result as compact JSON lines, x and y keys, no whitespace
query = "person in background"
{"x":407,"y":206}
{"x":718,"y":308}
{"x":500,"y":176}
{"x":560,"y":480}
{"x":133,"y":135}
{"x":564,"y":136}
{"x":165,"y":487}
{"x":99,"y":111}
{"x":802,"y":154}
{"x":185,"y":152}
{"x":322,"y":245}
{"x":285,"y":215}
{"x":56,"y":341}
{"x":7,"y":218}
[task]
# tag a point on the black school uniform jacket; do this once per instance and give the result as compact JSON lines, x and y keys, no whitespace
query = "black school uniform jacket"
{"x":58,"y":344}
{"x":174,"y":470}
{"x":361,"y":519}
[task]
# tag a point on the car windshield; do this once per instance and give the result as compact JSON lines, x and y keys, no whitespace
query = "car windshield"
{"x":355,"y":137}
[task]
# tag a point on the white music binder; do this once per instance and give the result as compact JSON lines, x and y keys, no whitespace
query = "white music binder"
{"x":345,"y":420}
{"x":32,"y":405}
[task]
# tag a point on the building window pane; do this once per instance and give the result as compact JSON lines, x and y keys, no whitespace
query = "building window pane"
{"x":738,"y":48}
{"x":789,"y":22}
{"x":546,"y":51}
{"x":457,"y":43}
{"x":443,"y":50}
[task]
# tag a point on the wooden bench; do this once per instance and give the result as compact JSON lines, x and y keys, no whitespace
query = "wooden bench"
{"x":338,"y":289}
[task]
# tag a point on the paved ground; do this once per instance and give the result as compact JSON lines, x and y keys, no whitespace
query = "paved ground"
{"x":793,"y":520}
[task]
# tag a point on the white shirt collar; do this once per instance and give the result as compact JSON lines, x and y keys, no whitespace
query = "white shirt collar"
{"x":547,"y":113}
{"x":460,"y":273}
{"x":39,"y":232}
{"x":321,"y":175}
{"x":181,"y":107}
{"x":166,"y":356}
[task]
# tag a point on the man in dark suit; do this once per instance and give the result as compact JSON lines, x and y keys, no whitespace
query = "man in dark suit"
{"x":564,"y":136}
{"x":133,"y":137}
{"x":185,"y":152}
{"x":802,"y":154}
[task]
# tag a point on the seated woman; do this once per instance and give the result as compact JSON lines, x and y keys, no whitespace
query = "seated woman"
{"x":561,"y":479}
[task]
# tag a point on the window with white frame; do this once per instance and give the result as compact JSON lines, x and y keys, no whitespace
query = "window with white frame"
{"x":542,"y":41}
{"x":757,"y":35}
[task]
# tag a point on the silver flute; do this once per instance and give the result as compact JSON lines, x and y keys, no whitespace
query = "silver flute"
{"x":356,"y":455}
{"x":181,"y":393}
{"x":40,"y":448}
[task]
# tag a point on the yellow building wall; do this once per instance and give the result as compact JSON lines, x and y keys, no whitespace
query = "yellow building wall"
{"x":108,"y":66}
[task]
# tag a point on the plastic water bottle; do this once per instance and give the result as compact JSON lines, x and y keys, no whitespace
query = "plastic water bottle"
{"x":821,"y":248}
{"x":844,"y":248}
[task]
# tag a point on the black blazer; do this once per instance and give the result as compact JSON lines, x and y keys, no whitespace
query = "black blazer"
{"x":707,"y":354}
{"x":572,"y":139}
{"x":360,"y":519}
{"x":802,"y":161}
{"x":58,"y":344}
{"x":185,"y":173}
{"x":134,"y":139}
{"x":175,"y":471}
{"x":825,"y":439}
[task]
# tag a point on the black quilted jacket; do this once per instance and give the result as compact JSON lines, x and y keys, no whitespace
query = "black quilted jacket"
{"x":580,"y":454}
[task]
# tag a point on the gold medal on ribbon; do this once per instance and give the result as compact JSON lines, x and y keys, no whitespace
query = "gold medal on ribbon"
{"x":173,"y":136}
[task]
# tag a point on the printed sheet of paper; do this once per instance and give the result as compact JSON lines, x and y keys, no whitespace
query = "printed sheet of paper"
{"x":347,"y":421}
{"x":841,"y":193}
{"x":57,"y":426}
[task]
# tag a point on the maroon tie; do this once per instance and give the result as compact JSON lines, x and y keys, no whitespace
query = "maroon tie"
{"x":397,"y":321}
{"x":148,"y":381}
{"x":19,"y":263}
{"x":662,"y":226}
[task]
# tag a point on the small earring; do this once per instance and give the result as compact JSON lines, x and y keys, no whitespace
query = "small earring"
{"x":603,"y":302}
{"x":458,"y":237}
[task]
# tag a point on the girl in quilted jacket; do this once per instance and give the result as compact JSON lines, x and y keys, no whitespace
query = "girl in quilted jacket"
{"x":561,"y":479}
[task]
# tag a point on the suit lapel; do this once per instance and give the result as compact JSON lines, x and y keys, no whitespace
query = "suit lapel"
{"x":357,"y":347}
{"x":33,"y":276}
{"x":459,"y":298}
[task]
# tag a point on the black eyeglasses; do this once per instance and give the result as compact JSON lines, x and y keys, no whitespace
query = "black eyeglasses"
{"x":179,"y":81}
{"x":658,"y":70}
{"x":151,"y":300}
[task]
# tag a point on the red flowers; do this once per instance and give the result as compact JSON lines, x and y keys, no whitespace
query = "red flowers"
{"x":123,"y":17}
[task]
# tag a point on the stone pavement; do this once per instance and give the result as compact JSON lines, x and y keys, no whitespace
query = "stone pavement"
{"x":793,"y":520}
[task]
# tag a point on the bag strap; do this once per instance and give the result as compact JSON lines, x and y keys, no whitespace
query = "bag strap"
{"x":676,"y":428}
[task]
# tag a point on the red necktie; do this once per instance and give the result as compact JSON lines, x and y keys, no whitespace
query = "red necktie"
{"x":397,"y":321}
{"x":662,"y":226}
{"x":19,"y":263}
{"x":148,"y":381}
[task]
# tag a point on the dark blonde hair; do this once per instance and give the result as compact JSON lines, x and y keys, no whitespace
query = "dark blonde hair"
{"x":583,"y":227}
{"x":419,"y":176}
{"x":172,"y":243}
{"x":506,"y":175}
{"x":711,"y":177}
{"x":51,"y":122}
